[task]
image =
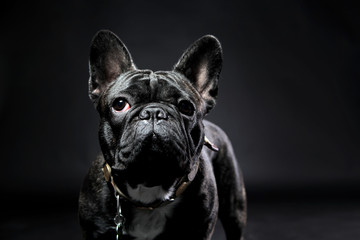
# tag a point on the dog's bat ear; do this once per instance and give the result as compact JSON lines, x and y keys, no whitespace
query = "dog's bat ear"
{"x":201,"y":64}
{"x":109,"y":58}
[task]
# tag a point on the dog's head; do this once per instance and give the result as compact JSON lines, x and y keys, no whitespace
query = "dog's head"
{"x":151,"y":129}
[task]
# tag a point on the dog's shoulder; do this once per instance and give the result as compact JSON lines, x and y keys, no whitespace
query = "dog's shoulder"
{"x":216,"y":135}
{"x":225,"y":157}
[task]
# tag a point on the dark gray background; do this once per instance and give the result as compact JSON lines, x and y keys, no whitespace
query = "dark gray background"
{"x":288,"y":98}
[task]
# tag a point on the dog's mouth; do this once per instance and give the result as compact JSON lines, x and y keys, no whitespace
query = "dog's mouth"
{"x":152,"y":177}
{"x":151,"y":169}
{"x":144,"y":195}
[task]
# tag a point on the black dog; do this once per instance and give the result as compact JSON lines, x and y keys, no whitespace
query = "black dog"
{"x":154,"y":177}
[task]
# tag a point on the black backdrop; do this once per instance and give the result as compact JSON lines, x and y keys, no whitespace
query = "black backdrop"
{"x":288,"y":98}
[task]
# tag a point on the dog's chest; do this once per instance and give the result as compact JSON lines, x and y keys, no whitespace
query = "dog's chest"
{"x":148,"y":224}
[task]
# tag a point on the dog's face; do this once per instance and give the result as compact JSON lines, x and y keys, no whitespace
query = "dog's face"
{"x":151,"y":130}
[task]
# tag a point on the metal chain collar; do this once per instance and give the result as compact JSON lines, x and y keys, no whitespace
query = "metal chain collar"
{"x":119,"y":219}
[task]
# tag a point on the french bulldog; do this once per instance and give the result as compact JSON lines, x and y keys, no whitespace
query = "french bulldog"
{"x":163,"y":172}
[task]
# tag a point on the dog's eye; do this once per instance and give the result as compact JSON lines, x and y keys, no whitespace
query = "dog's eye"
{"x":120,"y":105}
{"x":186,"y":107}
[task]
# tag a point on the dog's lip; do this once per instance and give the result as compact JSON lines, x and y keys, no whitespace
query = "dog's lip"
{"x":150,"y":183}
{"x":123,"y":177}
{"x":149,"y":195}
{"x":118,"y":167}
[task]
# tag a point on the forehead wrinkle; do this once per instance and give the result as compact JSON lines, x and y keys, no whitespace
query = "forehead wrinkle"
{"x":177,"y":81}
{"x":154,"y":83}
{"x":170,"y":79}
{"x":128,"y":78}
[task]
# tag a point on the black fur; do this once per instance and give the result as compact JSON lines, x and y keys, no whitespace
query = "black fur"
{"x":157,"y":140}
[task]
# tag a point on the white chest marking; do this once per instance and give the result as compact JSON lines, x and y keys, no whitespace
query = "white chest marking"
{"x":149,"y":194}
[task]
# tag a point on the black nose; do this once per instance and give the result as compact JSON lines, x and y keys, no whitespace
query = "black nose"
{"x":154,"y":113}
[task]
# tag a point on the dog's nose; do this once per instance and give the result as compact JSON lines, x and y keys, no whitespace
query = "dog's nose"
{"x":154,"y":113}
